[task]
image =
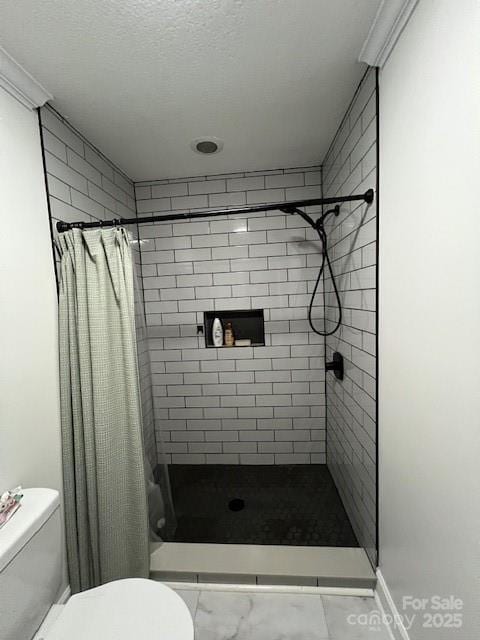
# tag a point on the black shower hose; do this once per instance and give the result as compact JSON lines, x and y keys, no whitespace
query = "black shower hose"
{"x":325,"y":259}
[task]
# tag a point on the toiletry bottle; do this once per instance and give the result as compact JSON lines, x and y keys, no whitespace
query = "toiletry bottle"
{"x":229,"y":335}
{"x":217,"y":333}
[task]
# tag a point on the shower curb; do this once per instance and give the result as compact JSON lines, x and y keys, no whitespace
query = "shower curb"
{"x":262,"y":565}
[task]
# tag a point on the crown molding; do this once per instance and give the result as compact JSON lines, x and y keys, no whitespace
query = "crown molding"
{"x":20,"y":84}
{"x":389,"y":22}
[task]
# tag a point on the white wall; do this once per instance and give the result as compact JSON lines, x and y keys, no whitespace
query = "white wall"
{"x":29,"y":395}
{"x":429,"y":375}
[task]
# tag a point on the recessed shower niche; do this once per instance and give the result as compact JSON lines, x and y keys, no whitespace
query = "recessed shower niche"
{"x":247,"y":326}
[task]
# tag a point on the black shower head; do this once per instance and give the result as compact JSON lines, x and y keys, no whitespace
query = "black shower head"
{"x":323,"y":217}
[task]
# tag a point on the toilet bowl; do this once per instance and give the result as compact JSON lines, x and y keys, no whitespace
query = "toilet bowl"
{"x":131,"y":609}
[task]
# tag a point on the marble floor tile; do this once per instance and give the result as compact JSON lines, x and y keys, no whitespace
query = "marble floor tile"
{"x":259,"y":616}
{"x":190,"y":597}
{"x":353,"y":618}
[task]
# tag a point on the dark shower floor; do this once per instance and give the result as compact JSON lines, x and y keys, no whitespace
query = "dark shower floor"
{"x":284,"y":504}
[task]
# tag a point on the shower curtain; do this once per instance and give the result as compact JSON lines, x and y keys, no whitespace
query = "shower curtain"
{"x":161,"y":513}
{"x":104,"y":478}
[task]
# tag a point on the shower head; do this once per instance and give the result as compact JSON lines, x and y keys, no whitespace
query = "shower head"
{"x":317,"y":225}
{"x":323,"y":217}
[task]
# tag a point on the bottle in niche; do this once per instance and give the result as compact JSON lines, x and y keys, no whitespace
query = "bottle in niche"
{"x":229,"y":335}
{"x":217,"y":333}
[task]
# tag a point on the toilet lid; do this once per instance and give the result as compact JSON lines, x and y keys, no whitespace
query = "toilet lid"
{"x":124,"y":610}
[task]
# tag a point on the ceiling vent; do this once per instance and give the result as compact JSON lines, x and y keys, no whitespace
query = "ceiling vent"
{"x":207,"y":146}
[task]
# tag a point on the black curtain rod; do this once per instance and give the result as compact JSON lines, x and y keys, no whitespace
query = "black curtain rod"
{"x":286,"y":207}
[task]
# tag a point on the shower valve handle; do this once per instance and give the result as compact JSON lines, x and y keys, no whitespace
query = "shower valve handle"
{"x":336,"y":365}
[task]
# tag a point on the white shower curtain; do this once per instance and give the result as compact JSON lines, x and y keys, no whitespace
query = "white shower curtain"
{"x":103,"y":454}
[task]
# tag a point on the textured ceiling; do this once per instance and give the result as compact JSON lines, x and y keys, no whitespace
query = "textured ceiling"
{"x":141,"y":79}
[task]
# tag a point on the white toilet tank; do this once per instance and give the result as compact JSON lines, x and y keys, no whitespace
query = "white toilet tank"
{"x":30,"y":564}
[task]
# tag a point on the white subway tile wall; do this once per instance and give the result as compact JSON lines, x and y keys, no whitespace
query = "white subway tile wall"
{"x":350,"y":167}
{"x":83,"y":185}
{"x":239,"y":405}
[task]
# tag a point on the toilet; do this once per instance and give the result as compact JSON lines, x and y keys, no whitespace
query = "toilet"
{"x":31,"y":572}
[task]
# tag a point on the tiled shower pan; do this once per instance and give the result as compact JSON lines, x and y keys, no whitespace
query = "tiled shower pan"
{"x":295,"y":505}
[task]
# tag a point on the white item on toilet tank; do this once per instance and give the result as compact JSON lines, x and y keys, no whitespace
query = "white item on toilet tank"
{"x":30,"y":564}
